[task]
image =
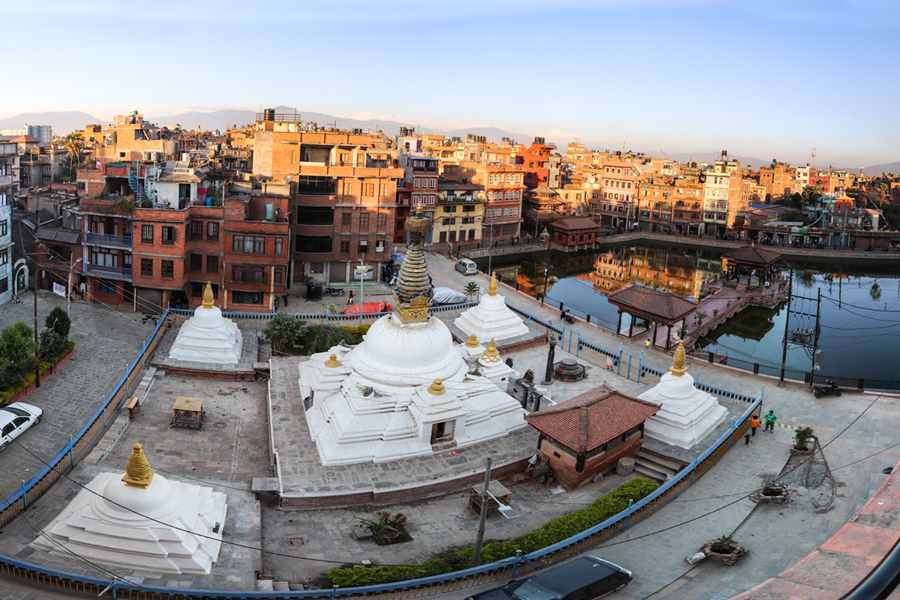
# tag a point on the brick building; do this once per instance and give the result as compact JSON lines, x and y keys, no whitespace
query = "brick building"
{"x":540,"y":167}
{"x":9,"y":186}
{"x":504,"y":185}
{"x":655,"y":201}
{"x":459,"y":213}
{"x":687,"y":215}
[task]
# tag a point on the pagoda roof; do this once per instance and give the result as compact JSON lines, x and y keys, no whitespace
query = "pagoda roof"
{"x":656,"y":305}
{"x":752,"y":255}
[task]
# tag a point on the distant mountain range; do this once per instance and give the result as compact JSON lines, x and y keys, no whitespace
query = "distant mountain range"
{"x":64,"y":122}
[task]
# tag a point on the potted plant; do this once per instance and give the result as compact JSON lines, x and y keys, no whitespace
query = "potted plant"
{"x":724,"y":550}
{"x":388,"y":529}
{"x":803,"y":437}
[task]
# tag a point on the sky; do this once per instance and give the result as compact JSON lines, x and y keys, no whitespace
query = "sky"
{"x":766,"y":79}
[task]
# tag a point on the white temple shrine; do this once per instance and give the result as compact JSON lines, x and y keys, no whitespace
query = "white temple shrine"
{"x":208,"y":336}
{"x":141,"y":521}
{"x":406,"y":390}
{"x":491,"y":319}
{"x":687,"y":415}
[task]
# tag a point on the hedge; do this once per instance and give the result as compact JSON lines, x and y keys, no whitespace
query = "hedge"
{"x":552,"y":532}
{"x":9,"y":394}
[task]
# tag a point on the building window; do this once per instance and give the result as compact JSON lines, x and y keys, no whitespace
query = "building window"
{"x":4,"y":257}
{"x":279,"y":274}
{"x":433,"y":183}
{"x":168,"y":235}
{"x":212,"y":264}
{"x":197,"y":290}
{"x":212,"y":232}
{"x":382,"y":219}
{"x":345,"y":218}
{"x":246,"y":297}
{"x":368,"y":189}
{"x":237,"y":274}
{"x":317,"y":268}
{"x":259,"y":276}
{"x":146,"y":234}
{"x":415,"y":184}
{"x":106,"y":287}
{"x":382,"y":189}
{"x":364,"y":218}
{"x":167,"y":270}
{"x":4,"y":228}
{"x":4,"y":285}
{"x":430,"y":200}
{"x":348,"y":188}
{"x":363,"y":247}
{"x":146,"y":267}
{"x":246,"y":244}
{"x":196,"y":230}
{"x":196,"y":262}
{"x":279,"y":246}
{"x":345,"y":246}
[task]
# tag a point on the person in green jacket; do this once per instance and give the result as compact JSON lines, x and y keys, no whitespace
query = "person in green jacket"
{"x":770,"y":421}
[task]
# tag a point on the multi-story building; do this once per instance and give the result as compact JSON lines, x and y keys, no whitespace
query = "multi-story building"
{"x":540,"y":167}
{"x":504,"y":185}
{"x":655,"y":200}
{"x":687,"y":215}
{"x":779,"y":180}
{"x":40,"y":165}
{"x":106,"y":252}
{"x":616,"y":181}
{"x":9,"y":185}
{"x":343,"y":209}
{"x":459,"y":213}
{"x":42,"y":133}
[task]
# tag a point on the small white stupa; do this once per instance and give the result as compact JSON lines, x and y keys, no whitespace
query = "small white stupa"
{"x":687,"y":415}
{"x":208,"y":336}
{"x":141,"y":521}
{"x":491,"y":319}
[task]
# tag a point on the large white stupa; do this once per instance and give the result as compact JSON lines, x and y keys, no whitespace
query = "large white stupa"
{"x":687,"y":415}
{"x":406,"y":390}
{"x":141,"y":521}
{"x":208,"y":336}
{"x":491,"y":319}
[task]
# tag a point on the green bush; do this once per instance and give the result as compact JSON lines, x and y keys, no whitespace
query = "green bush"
{"x":58,"y":320}
{"x":7,"y":395}
{"x":52,"y":344}
{"x":551,"y":532}
{"x":17,"y":353}
{"x":358,"y":332}
{"x":285,"y":332}
{"x":321,"y":337}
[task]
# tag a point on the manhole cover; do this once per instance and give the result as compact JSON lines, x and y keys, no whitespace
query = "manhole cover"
{"x":219,"y":425}
{"x":297,"y":540}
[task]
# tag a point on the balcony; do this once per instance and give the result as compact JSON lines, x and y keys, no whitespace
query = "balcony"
{"x":6,"y":180}
{"x":114,"y":241}
{"x":121,"y":273}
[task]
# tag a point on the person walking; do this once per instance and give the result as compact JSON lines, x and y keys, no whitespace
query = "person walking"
{"x":350,"y":299}
{"x":770,"y":421}
{"x":754,"y":424}
{"x":647,"y":344}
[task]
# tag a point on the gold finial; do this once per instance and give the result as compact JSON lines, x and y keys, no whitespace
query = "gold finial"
{"x":678,"y":367}
{"x":208,"y":296}
{"x":138,"y":472}
{"x":437,"y":388}
{"x":492,"y":289}
{"x":491,"y":354}
{"x":332,"y":362}
{"x":472,"y":342}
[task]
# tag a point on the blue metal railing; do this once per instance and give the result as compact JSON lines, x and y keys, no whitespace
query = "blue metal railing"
{"x":92,"y":269}
{"x":108,"y":240}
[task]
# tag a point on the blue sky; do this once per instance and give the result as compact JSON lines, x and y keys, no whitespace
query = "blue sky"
{"x":758,"y":78}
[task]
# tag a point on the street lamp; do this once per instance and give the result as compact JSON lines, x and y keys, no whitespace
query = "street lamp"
{"x":69,"y":286}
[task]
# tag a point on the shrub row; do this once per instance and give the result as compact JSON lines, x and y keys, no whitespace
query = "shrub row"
{"x":552,"y":532}
{"x":7,"y":395}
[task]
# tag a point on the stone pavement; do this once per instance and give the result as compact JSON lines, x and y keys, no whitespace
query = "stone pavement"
{"x":106,"y":341}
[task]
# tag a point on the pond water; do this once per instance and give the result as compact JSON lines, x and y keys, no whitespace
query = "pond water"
{"x":860,"y":307}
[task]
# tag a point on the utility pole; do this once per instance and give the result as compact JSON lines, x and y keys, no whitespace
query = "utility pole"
{"x":815,"y":348}
{"x":787,"y":320}
{"x":482,"y":518}
{"x":37,"y":366}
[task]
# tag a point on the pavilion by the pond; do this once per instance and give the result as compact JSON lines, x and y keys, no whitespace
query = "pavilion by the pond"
{"x":750,"y":259}
{"x":656,"y":306}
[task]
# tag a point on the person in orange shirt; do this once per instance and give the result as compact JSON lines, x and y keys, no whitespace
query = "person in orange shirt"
{"x":754,"y":424}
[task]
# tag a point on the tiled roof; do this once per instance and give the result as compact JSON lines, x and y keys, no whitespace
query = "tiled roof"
{"x":652,"y":303}
{"x":586,"y":422}
{"x":575,"y":223}
{"x":753,"y":255}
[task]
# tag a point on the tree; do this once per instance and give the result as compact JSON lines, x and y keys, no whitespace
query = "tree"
{"x":321,"y":337}
{"x":52,"y":344}
{"x":17,"y":353}
{"x":74,"y":143}
{"x":58,"y":320}
{"x":472,"y":290}
{"x":284,"y":331}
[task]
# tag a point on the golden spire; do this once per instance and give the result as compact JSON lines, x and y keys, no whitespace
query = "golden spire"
{"x":332,"y":362}
{"x":437,"y":388}
{"x":678,"y":367}
{"x":492,"y":289}
{"x":414,"y":289}
{"x":138,"y":472}
{"x":208,"y":296}
{"x":472,"y":342}
{"x":491,"y":354}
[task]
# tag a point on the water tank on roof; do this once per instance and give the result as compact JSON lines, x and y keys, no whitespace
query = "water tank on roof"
{"x":171,"y":148}
{"x":269,"y":114}
{"x":112,"y":137}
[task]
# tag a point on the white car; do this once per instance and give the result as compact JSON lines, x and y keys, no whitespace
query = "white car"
{"x":15,"y":419}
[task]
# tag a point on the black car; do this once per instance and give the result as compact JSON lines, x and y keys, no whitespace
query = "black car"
{"x":584,"y":578}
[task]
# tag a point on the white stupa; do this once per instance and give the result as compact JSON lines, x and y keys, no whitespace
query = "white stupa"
{"x":141,"y":521}
{"x":208,"y":336}
{"x":406,"y":390}
{"x":491,"y":319}
{"x":687,"y":415}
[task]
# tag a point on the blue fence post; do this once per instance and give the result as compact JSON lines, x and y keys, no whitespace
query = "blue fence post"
{"x":625,"y":521}
{"x":24,"y":499}
{"x":518,"y":561}
{"x":733,"y":427}
{"x":641,"y":366}
{"x":628,"y":375}
{"x":71,"y":453}
{"x":694,"y":470}
{"x":698,"y":375}
{"x":578,"y":345}
{"x":103,"y":404}
{"x":619,"y":365}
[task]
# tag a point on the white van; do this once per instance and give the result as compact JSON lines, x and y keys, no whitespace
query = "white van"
{"x":466,"y":266}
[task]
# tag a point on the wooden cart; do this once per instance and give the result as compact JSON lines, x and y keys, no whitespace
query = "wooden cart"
{"x":187,"y":412}
{"x":497,"y":490}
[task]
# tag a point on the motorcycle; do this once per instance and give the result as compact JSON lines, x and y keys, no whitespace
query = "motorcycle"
{"x":568,"y":318}
{"x":333,"y":291}
{"x":275,"y":303}
{"x":828,"y":389}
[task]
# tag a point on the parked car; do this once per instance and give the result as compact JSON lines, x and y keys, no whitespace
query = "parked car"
{"x":466,"y":266}
{"x":15,"y":419}
{"x":584,"y":578}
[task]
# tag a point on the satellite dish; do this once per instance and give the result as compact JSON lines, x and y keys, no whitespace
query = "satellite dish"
{"x":288,"y":179}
